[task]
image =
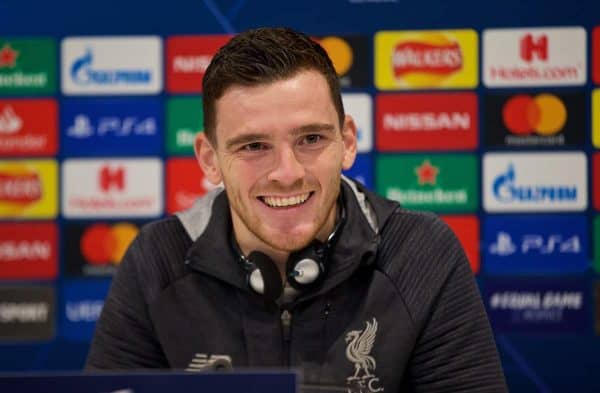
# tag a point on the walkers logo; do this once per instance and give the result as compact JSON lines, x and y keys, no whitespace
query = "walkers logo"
{"x":597,"y":243}
{"x":596,"y":118}
{"x":112,"y":188}
{"x":116,"y":126}
{"x":28,"y":127}
{"x":182,"y":191}
{"x":427,"y":121}
{"x":538,"y":305}
{"x":28,"y":66}
{"x":187,"y":60}
{"x":534,"y":182}
{"x":27,"y":313}
{"x":362,"y":170}
{"x":524,"y":120}
{"x":82,"y":302}
{"x":466,"y":229}
{"x":28,"y":251}
{"x":97,"y":249}
{"x":426,"y":59}
{"x":534,"y":57}
{"x":116,"y":65}
{"x":536,"y":244}
{"x":28,"y":189}
{"x":442,"y":183}
{"x":184,"y":120}
{"x":360,"y":107}
{"x":350,"y":56}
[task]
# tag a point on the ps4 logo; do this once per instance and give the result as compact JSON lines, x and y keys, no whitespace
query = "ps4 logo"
{"x":83,"y":127}
{"x":82,"y":73}
{"x":535,"y":243}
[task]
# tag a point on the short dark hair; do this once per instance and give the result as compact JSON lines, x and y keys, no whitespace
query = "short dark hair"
{"x":264,"y":55}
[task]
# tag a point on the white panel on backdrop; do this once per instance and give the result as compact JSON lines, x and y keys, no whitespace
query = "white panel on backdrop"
{"x":112,"y":188}
{"x":519,"y":182}
{"x":534,"y":57}
{"x":111,"y":65}
{"x":360,"y":107}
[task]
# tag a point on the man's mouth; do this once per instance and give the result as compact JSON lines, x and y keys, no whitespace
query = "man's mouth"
{"x":277,"y":201}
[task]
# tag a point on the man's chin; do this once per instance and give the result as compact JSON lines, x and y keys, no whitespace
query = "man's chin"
{"x":285,"y":241}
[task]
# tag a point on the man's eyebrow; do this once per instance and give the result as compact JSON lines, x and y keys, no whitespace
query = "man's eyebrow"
{"x":245,"y":138}
{"x":316,"y":127}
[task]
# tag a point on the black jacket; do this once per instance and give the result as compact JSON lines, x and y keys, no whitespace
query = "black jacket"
{"x":399,"y":309}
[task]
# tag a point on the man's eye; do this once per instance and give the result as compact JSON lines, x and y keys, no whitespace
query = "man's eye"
{"x":254,"y":146}
{"x":311,"y":139}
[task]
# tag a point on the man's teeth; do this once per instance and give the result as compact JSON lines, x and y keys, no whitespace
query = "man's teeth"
{"x":285,"y":201}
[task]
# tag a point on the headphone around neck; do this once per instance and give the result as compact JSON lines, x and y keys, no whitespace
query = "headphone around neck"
{"x":305,"y":268}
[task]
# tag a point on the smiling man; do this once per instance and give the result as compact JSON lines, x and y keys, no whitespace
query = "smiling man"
{"x":291,"y":264}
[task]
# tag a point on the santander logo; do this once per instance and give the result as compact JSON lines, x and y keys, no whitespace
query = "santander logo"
{"x":10,"y":123}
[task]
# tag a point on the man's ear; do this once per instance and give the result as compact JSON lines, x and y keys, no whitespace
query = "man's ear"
{"x":349,"y":139}
{"x":206,"y":155}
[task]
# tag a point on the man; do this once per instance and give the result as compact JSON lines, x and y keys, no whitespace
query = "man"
{"x":292,"y":265}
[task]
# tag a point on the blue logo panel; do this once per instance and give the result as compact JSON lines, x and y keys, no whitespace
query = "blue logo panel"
{"x":81,"y":303}
{"x":362,"y":170}
{"x":538,"y":244}
{"x":538,"y":305}
{"x":112,"y":126}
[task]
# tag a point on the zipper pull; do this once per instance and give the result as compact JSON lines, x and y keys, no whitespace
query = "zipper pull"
{"x":286,"y":323}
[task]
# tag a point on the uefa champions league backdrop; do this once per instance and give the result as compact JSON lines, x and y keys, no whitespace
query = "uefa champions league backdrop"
{"x":486,"y":113}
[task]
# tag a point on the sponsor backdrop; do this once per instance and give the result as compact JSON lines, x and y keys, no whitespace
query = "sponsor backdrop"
{"x":489,"y":117}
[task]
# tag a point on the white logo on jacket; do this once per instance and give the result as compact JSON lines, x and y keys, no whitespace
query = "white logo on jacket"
{"x":360,"y":344}
{"x":203,"y":362}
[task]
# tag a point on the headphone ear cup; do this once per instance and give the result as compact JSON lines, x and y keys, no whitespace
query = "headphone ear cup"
{"x":265,"y":278}
{"x":305,"y":268}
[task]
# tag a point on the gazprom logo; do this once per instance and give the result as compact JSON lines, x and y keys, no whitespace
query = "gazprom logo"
{"x":506,"y":190}
{"x":111,"y":65}
{"x":83,"y":73}
{"x":521,"y":182}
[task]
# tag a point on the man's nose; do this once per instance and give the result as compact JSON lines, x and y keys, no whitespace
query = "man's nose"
{"x":286,"y":168}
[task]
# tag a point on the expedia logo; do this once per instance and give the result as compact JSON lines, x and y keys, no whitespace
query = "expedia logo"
{"x":8,"y":56}
{"x":20,"y":188}
{"x":442,"y":59}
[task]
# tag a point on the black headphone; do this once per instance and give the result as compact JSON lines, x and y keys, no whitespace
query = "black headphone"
{"x":305,"y":268}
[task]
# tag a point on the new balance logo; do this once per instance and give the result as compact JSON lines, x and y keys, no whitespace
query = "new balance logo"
{"x":203,"y":362}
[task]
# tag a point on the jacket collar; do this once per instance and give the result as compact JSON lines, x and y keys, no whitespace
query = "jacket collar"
{"x":208,"y":223}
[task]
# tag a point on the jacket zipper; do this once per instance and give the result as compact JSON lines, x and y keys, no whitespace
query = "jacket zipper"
{"x":286,"y":327}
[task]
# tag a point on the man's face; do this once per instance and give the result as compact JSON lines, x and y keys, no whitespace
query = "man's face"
{"x":279,"y":152}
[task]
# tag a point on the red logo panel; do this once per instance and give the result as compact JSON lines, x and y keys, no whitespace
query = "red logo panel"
{"x":596,"y":180}
{"x":187,"y":59}
{"x":28,"y":251}
{"x":28,"y":127}
{"x":596,"y":55}
{"x":185,"y":183}
{"x":445,"y":121}
{"x":466,"y":229}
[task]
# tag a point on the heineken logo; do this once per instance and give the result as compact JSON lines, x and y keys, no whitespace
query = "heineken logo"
{"x":437,"y":182}
{"x":8,"y":57}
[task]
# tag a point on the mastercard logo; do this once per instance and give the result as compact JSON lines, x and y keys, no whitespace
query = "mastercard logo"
{"x":544,"y":114}
{"x":103,"y":244}
{"x":340,"y":53}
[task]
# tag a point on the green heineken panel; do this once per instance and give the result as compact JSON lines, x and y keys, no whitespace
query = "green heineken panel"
{"x":184,"y":121}
{"x":433,"y":182}
{"x":27,"y":66}
{"x":597,"y":244}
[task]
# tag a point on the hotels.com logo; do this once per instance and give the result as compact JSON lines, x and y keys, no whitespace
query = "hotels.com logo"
{"x":111,"y":178}
{"x":8,"y":57}
{"x":534,"y":47}
{"x":20,"y":188}
{"x":441,"y":58}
